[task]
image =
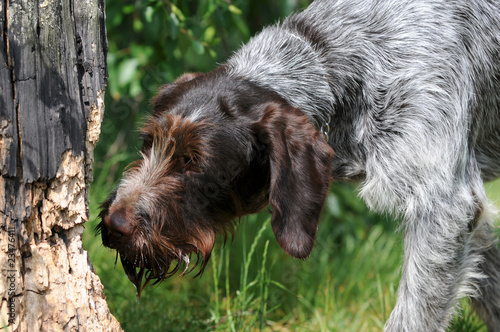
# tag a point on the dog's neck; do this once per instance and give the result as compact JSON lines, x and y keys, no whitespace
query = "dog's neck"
{"x":290,"y":67}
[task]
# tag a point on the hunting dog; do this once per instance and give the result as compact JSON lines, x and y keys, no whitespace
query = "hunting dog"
{"x":407,"y":94}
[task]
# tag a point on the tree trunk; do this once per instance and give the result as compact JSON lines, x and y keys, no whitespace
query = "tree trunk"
{"x":52,"y":81}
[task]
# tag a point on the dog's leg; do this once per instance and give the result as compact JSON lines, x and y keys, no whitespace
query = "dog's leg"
{"x":439,"y":268}
{"x":440,"y":207}
{"x":487,"y":303}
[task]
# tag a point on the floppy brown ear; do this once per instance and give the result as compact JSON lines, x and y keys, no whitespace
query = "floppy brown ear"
{"x":301,"y":167}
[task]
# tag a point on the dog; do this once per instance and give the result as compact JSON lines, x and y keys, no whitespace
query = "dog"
{"x":401,"y":96}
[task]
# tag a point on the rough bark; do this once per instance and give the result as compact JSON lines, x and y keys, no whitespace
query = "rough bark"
{"x":52,"y":81}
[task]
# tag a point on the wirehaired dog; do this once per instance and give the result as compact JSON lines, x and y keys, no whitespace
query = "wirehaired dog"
{"x":407,"y":94}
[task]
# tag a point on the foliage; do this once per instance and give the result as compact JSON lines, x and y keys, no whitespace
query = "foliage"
{"x":348,"y":284}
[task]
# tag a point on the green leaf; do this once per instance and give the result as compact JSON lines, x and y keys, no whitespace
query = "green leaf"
{"x":135,"y":88}
{"x":138,"y":25}
{"x":235,"y":10}
{"x":127,"y":70}
{"x":149,"y":13}
{"x":177,"y":12}
{"x":207,"y":9}
{"x":129,"y":9}
{"x":173,"y":26}
{"x":198,"y":47}
{"x":209,"y":34}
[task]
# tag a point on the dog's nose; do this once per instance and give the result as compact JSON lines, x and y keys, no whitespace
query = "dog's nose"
{"x":118,"y":224}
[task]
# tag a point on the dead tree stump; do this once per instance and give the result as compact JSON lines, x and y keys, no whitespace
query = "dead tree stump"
{"x":52,"y":80}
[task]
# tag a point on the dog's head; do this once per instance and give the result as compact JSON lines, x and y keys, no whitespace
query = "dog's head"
{"x":215,"y":148}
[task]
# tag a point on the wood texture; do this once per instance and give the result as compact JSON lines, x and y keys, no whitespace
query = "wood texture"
{"x":52,"y":81}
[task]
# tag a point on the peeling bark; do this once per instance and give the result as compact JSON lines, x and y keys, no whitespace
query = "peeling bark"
{"x":52,"y":81}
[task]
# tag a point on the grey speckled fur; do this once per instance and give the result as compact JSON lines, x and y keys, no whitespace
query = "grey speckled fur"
{"x":411,"y":91}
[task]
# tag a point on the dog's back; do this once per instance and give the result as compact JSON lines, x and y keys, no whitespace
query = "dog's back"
{"x":449,"y":45}
{"x":367,"y":62}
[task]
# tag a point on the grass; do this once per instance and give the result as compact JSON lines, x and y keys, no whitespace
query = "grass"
{"x":348,"y":284}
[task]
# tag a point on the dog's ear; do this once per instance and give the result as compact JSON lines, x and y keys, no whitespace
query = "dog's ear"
{"x":301,"y":167}
{"x":167,"y":94}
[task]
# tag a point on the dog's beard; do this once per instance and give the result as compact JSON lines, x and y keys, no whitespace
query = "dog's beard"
{"x":142,"y":268}
{"x":149,"y":257}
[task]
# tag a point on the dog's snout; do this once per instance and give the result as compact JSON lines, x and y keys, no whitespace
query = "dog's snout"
{"x":118,"y":223}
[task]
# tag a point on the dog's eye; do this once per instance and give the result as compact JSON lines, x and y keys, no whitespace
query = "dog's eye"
{"x":187,"y":161}
{"x":191,"y":164}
